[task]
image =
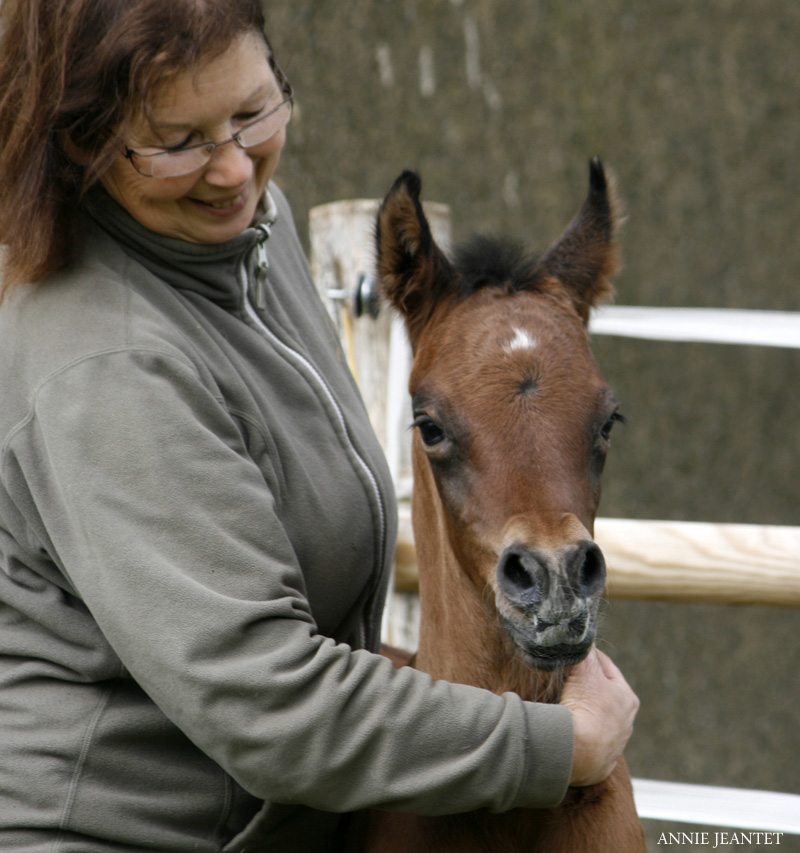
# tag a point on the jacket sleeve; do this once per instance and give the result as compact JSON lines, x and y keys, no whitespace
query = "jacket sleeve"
{"x":167,"y":530}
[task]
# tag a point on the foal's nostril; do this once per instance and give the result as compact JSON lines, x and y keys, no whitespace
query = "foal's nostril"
{"x":516,"y":573}
{"x":520,"y":576}
{"x":525,"y":579}
{"x":591,"y":565}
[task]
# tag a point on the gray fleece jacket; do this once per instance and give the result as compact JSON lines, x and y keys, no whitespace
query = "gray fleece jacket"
{"x":196,"y":530}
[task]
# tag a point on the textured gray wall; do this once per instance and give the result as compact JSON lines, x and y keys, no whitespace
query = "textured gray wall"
{"x":696,"y":108}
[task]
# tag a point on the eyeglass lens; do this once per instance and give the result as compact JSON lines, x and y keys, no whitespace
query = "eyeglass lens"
{"x":173,"y":164}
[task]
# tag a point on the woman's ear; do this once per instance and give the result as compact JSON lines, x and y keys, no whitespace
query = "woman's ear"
{"x":75,"y":153}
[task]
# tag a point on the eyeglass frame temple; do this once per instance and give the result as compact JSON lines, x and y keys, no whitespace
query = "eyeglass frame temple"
{"x":282,"y":79}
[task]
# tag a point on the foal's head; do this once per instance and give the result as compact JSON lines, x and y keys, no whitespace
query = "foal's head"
{"x":511,"y":413}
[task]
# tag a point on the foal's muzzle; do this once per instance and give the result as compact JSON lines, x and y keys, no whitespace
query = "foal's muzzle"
{"x":548,"y":600}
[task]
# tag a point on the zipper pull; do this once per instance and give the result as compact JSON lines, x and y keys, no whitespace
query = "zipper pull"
{"x":262,"y":267}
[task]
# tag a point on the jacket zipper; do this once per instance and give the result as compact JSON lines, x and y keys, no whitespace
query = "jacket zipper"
{"x":262,"y":272}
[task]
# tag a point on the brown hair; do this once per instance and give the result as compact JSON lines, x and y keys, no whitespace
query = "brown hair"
{"x":77,"y":72}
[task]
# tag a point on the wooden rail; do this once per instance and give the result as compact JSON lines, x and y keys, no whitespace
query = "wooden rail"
{"x":701,"y":562}
{"x":678,"y":561}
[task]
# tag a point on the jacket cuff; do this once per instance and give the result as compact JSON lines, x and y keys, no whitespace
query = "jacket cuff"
{"x":548,"y":751}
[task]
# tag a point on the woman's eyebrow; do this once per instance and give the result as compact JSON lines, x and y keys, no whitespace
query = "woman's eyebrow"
{"x":270,"y":87}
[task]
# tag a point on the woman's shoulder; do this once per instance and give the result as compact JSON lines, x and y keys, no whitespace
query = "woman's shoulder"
{"x":87,"y":306}
{"x":86,"y":311}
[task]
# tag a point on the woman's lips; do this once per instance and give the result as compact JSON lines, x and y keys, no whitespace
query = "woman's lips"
{"x":224,"y":207}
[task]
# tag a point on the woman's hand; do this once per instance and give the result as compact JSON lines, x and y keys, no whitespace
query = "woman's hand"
{"x":603,"y":708}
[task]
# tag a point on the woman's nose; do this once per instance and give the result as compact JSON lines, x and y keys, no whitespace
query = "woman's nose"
{"x":230,"y":165}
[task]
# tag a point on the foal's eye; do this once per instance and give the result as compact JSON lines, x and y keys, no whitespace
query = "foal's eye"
{"x":605,"y":432}
{"x":430,"y":433}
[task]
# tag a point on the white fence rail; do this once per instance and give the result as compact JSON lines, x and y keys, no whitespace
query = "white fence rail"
{"x":764,"y":811}
{"x":705,"y":325}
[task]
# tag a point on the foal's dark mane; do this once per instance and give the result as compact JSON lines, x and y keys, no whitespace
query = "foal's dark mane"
{"x":497,"y":262}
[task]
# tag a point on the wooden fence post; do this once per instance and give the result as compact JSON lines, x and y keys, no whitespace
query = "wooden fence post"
{"x":342,"y":261}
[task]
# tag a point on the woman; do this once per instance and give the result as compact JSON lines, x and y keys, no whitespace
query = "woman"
{"x":196,"y":523}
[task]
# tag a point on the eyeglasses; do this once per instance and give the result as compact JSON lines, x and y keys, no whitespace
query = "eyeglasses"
{"x":188,"y":159}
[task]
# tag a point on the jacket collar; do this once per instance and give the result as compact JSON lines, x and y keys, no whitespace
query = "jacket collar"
{"x":213,"y":270}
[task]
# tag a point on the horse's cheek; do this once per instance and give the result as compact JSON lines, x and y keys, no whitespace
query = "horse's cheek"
{"x":453,"y":483}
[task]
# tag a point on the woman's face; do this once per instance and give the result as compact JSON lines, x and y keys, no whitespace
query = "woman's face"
{"x":218,"y":201}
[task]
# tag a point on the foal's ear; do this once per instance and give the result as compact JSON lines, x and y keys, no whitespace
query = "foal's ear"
{"x":413,"y":272}
{"x":586,"y":254}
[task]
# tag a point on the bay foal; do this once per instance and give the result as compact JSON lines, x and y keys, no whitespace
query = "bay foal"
{"x":512,"y":426}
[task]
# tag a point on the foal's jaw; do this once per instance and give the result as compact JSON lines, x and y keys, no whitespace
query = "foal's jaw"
{"x":551,"y":646}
